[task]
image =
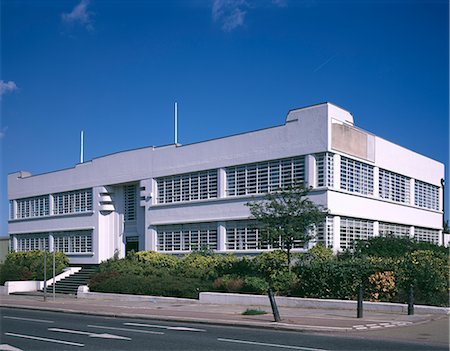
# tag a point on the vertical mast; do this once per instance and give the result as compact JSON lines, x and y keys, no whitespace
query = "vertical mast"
{"x":176,"y":122}
{"x":82,"y":147}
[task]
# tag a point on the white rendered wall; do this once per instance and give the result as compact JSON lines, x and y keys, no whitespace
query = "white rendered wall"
{"x":210,"y":210}
{"x":350,"y":205}
{"x":307,"y":131}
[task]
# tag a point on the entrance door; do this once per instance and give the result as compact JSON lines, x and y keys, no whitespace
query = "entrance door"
{"x":132,"y":243}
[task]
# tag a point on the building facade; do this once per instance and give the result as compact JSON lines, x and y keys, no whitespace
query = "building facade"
{"x":180,"y":198}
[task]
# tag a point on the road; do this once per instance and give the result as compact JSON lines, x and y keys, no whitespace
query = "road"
{"x":40,"y":330}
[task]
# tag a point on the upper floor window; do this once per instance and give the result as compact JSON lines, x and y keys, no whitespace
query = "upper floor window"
{"x":130,"y":202}
{"x":187,"y":187}
{"x":263,"y":177}
{"x":324,"y":170}
{"x":11,"y":209}
{"x":426,"y":195}
{"x":394,"y":186}
{"x":72,"y":201}
{"x":32,"y":207}
{"x":356,"y":176}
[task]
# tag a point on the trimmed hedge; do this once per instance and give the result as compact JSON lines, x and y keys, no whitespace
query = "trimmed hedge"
{"x":165,"y":284}
{"x":29,"y":265}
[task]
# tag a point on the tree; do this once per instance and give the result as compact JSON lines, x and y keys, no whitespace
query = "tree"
{"x":288,"y":215}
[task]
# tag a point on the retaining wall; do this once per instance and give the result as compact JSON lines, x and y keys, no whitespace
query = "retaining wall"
{"x":263,"y":300}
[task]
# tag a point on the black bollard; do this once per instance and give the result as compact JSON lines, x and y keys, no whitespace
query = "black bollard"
{"x":411,"y":300}
{"x":273,"y":303}
{"x":359,"y":311}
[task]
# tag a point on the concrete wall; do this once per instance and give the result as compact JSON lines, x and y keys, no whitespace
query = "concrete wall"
{"x":262,"y":300}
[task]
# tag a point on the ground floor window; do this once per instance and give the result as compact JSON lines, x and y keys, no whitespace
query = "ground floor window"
{"x":426,"y":234}
{"x":247,"y":235}
{"x":324,"y":233}
{"x":79,"y":241}
{"x":30,"y":242}
{"x":391,"y":229}
{"x":353,"y":229}
{"x":187,"y":237}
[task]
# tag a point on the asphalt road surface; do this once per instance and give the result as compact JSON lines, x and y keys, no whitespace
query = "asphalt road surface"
{"x":40,"y":330}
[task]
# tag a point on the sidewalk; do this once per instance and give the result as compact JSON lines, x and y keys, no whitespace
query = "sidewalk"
{"x":393,"y":326}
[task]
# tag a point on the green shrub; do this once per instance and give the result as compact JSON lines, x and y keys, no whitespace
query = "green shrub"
{"x":389,"y":246}
{"x":197,"y":265}
{"x":155,"y":259}
{"x":316,"y":273}
{"x":235,"y":284}
{"x":284,"y":283}
{"x":230,"y":264}
{"x":253,"y":312}
{"x":255,"y":285}
{"x":29,"y":265}
{"x":428,"y":272}
{"x":228,"y":283}
{"x":332,"y":279}
{"x":166,"y":285}
{"x":141,"y":263}
{"x":270,"y":264}
{"x":318,"y":253}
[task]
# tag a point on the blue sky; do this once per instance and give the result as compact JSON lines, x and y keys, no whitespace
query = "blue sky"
{"x":114,"y":68}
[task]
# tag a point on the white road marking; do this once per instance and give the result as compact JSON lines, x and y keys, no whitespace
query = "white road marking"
{"x":381,"y":325}
{"x":309,"y":326}
{"x":45,"y":339}
{"x":272,"y":345}
{"x":6,"y":347}
{"x":29,"y":319}
{"x":91,"y":335}
{"x":165,"y":327}
{"x":125,"y":329}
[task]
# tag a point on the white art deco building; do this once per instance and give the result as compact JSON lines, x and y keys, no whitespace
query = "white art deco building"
{"x":179,"y":198}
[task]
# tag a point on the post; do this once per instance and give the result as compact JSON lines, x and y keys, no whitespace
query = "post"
{"x":176,"y":123}
{"x":359,"y":312}
{"x":45,"y":275}
{"x":411,"y":300}
{"x":273,"y":303}
{"x":54,"y":272}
